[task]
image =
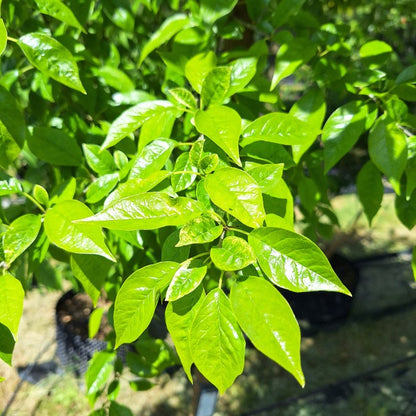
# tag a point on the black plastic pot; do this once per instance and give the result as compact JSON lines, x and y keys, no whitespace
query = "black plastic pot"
{"x":73,"y":350}
{"x":316,"y":310}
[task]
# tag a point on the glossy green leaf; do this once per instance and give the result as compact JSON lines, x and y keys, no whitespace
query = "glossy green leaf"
{"x":58,"y":10}
{"x":242,"y":72}
{"x":99,"y":370}
{"x":117,"y":409}
{"x":10,"y":186}
{"x":170,"y":249}
{"x":311,"y":108}
{"x":11,"y":305}
{"x":237,"y":193}
{"x":223,"y":126}
{"x":234,"y":254}
{"x":388,"y":151}
{"x":408,"y":75}
{"x":209,"y":163}
{"x":169,"y":28}
{"x":75,"y":237}
{"x":3,"y":36}
{"x":136,"y":186}
{"x":414,"y":262}
{"x":217,"y":344}
{"x":159,"y":126}
{"x":212,"y":10}
{"x":152,"y":158}
{"x":136,"y":300}
{"x":183,"y":98}
{"x":64,"y":191}
{"x":278,"y":128}
{"x":55,"y":147}
{"x":100,"y":188}
{"x":200,"y":230}
{"x":198,"y":67}
{"x":114,"y":78}
{"x":282,"y":214}
{"x":51,"y":58}
{"x":179,"y":316}
{"x":13,"y":130}
{"x":7,"y":344}
{"x":266,"y":152}
{"x":290,"y":56}
{"x":91,"y":271}
{"x":185,"y":280}
{"x":181,"y":181}
{"x":370,"y":189}
{"x":215,"y":86}
{"x":267,"y":176}
{"x":406,"y":210}
{"x":146,"y":211}
{"x":267,"y":319}
{"x":20,"y":234}
{"x":375,"y":52}
{"x":196,"y":152}
{"x":100,"y":161}
{"x":343,"y":129}
{"x":131,"y":119}
{"x":94,"y":322}
{"x":293,"y":262}
{"x":41,"y":195}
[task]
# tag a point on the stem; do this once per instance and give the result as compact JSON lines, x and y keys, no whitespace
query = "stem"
{"x":11,"y":39}
{"x":184,"y":144}
{"x":25,"y":194}
{"x":183,"y":172}
{"x":220,"y":281}
{"x":237,"y":230}
{"x":26,"y":68}
{"x":206,"y":253}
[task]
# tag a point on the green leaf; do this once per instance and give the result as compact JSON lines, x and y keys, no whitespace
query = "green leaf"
{"x":58,"y":10}
{"x":136,"y":300}
{"x":278,"y":128}
{"x":290,"y":56}
{"x":65,"y":190}
{"x":146,"y":211}
{"x":152,"y":158}
{"x":311,"y":108}
{"x":183,"y":98}
{"x":196,"y":152}
{"x":94,"y":322}
{"x":414,"y":262}
{"x":217,"y":344}
{"x":406,"y":210}
{"x":100,"y":161}
{"x":52,"y":59}
{"x":41,"y":195}
{"x":9,"y":187}
{"x":209,"y":163}
{"x":388,"y":151}
{"x":267,"y":319}
{"x":293,"y":262}
{"x":242,"y":72}
{"x":181,"y":181}
{"x":136,"y":186}
{"x":343,"y":129}
{"x":73,"y":236}
{"x":99,"y":370}
{"x":55,"y":147}
{"x":410,"y":167}
{"x":117,"y":409}
{"x":169,"y":28}
{"x":13,"y":129}
{"x":370,"y":189}
{"x":212,"y":10}
{"x":185,"y":280}
{"x":179,"y":316}
{"x":284,"y":218}
{"x":284,"y":11}
{"x":200,"y":230}
{"x":223,"y":126}
{"x":3,"y":36}
{"x":20,"y":234}
{"x":408,"y":75}
{"x":91,"y":271}
{"x":375,"y":53}
{"x":234,"y":254}
{"x":114,"y":78}
{"x":170,"y":249}
{"x":131,"y":119}
{"x":267,"y":176}
{"x":198,"y":67}
{"x":7,"y":344}
{"x":11,"y":305}
{"x":215,"y":86}
{"x":237,"y":193}
{"x":100,"y":188}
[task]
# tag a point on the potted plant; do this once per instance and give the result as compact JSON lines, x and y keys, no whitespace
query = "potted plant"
{"x":197,"y":209}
